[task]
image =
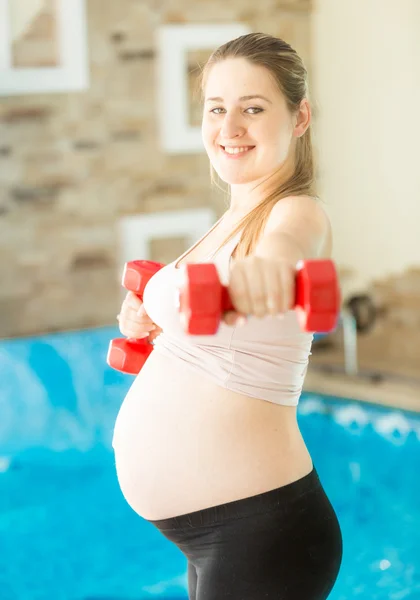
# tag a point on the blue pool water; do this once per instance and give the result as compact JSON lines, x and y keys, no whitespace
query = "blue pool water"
{"x":66,"y":533}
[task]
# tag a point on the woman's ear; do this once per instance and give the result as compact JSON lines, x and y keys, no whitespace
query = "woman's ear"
{"x":303,"y":118}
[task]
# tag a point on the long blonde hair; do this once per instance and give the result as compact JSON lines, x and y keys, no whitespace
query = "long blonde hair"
{"x":291,"y":76}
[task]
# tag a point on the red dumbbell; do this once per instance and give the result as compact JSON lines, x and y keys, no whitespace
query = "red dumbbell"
{"x":124,"y":354}
{"x":203,"y":299}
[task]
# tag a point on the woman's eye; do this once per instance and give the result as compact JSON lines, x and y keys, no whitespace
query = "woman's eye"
{"x":253,"y":108}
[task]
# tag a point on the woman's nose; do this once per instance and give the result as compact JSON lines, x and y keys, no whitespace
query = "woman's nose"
{"x":231,"y":127}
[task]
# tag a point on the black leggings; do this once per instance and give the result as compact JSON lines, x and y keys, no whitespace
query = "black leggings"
{"x":284,"y":544}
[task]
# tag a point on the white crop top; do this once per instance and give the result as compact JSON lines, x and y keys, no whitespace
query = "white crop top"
{"x":264,"y":358}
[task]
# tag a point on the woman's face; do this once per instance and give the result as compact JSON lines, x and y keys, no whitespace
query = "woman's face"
{"x":260,"y":130}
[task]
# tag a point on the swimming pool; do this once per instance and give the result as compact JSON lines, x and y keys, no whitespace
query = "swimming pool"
{"x":66,"y":533}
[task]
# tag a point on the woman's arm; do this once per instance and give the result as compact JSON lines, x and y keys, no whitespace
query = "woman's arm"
{"x":263,"y":283}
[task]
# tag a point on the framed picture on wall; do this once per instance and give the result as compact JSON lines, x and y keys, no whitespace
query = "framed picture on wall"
{"x":137,"y":232}
{"x":179,"y":47}
{"x":43,"y":46}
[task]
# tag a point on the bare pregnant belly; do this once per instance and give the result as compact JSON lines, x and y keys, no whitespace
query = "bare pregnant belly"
{"x":182,"y":443}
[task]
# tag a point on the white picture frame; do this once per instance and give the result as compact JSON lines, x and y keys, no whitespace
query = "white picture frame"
{"x":137,"y":231}
{"x":73,"y":72}
{"x":173,"y":42}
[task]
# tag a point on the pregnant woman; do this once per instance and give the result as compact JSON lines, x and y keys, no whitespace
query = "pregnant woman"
{"x":207,"y":443}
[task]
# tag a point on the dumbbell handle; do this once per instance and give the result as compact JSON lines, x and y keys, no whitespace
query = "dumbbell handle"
{"x":326,"y":296}
{"x":317,"y":297}
{"x":126,"y":354}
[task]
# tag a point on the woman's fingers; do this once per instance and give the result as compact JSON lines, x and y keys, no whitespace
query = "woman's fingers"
{"x":133,"y":320}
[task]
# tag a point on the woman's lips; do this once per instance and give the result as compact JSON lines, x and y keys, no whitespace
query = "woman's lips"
{"x":237,"y":154}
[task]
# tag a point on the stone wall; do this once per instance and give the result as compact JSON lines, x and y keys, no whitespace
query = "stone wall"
{"x":72,"y":164}
{"x":396,"y":339}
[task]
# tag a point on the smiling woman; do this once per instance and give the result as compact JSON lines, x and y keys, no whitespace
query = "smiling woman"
{"x":232,"y":121}
{"x":277,"y":129}
{"x":212,"y":453}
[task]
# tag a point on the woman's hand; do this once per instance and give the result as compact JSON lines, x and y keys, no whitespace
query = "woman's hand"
{"x":260,"y":287}
{"x":133,"y":320}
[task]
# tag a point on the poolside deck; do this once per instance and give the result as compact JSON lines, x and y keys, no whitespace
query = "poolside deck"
{"x":382,"y":377}
{"x":395,"y":393}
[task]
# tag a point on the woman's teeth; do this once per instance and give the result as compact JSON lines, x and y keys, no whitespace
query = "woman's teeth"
{"x":237,"y":150}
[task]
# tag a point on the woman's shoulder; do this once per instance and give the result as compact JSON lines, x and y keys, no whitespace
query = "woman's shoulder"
{"x":297,"y":208}
{"x":302,"y":215}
